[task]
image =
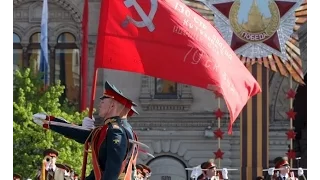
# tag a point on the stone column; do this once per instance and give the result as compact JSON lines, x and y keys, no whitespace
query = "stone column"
{"x":254,"y":125}
{"x":52,"y":63}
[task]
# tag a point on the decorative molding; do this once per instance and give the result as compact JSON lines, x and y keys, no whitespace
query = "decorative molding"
{"x":278,"y":100}
{"x":67,"y":5}
{"x":303,"y":45}
{"x":53,"y":32}
{"x":18,"y":30}
{"x":179,"y":121}
{"x":279,"y":85}
{"x":190,"y":152}
{"x":66,"y":27}
{"x":148,"y":102}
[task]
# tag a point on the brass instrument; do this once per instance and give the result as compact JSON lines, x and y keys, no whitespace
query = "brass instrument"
{"x":46,"y":159}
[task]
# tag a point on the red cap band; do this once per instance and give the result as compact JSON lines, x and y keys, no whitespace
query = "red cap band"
{"x":52,"y":155}
{"x":281,"y":163}
{"x":118,"y":98}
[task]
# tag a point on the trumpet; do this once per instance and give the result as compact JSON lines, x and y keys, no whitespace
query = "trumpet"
{"x":46,"y":159}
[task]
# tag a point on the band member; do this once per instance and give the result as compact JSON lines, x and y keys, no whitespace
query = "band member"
{"x":284,"y":173}
{"x":210,"y":172}
{"x":17,"y":176}
{"x":143,"y":172}
{"x":109,"y":142}
{"x":76,"y":176}
{"x":49,"y":169}
{"x":67,"y":175}
{"x":64,"y":171}
{"x":260,"y":178}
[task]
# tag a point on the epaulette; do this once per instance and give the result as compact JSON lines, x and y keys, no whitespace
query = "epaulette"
{"x":112,"y":120}
{"x":121,"y":176}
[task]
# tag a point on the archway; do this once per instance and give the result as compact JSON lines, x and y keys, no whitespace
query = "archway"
{"x":300,"y":123}
{"x":167,"y":168}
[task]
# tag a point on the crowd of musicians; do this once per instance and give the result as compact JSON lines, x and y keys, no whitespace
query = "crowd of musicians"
{"x":115,"y":147}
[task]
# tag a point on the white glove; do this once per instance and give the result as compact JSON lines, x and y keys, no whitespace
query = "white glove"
{"x":196,"y":172}
{"x":271,"y":171}
{"x":39,"y":118}
{"x":224,"y":173}
{"x":66,"y":173}
{"x":48,"y":166}
{"x":88,"y":123}
{"x":300,"y":171}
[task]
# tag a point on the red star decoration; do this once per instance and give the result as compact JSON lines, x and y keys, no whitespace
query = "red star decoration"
{"x":291,"y":154}
{"x":218,"y":95}
{"x":291,"y":134}
{"x":291,"y":94}
{"x":218,"y":133}
{"x":218,"y":113}
{"x":236,"y":42}
{"x":291,"y":114}
{"x":219,"y":154}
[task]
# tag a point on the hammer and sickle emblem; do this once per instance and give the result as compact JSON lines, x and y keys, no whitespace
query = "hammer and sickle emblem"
{"x":146,"y":19}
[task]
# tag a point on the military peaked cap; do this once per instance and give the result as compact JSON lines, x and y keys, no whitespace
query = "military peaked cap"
{"x":112,"y":92}
{"x":50,"y":152}
{"x":280,"y":161}
{"x":17,"y":176}
{"x":208,"y":165}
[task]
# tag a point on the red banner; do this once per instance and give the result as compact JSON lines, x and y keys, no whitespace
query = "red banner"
{"x":84,"y":55}
{"x":166,"y":39}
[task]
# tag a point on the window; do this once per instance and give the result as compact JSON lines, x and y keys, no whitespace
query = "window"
{"x":17,"y":52}
{"x":165,"y":89}
{"x":67,"y":66}
{"x":34,"y":53}
{"x":64,"y":61}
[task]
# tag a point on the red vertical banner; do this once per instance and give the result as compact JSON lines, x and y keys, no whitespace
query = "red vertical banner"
{"x":84,"y":55}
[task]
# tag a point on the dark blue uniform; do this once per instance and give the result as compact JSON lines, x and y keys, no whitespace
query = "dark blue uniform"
{"x":114,"y":147}
{"x":112,"y":150}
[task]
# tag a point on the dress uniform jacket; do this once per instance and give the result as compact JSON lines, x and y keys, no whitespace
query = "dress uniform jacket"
{"x":110,"y":152}
{"x":201,"y":177}
{"x":279,"y":178}
{"x":58,"y":174}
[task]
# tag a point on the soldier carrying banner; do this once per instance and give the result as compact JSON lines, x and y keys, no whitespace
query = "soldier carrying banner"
{"x":109,"y":143}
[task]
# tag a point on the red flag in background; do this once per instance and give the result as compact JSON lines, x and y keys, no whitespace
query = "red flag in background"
{"x":166,"y":39}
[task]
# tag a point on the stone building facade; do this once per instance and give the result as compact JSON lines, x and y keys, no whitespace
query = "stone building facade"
{"x":176,"y":125}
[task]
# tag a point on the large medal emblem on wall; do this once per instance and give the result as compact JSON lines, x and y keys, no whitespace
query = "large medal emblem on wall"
{"x":258,"y":28}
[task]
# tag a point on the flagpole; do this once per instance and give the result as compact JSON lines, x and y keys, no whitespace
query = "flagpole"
{"x":84,"y":55}
{"x":44,"y":61}
{"x":93,"y":95}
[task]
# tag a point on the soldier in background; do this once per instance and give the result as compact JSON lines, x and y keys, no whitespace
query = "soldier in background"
{"x":49,"y":169}
{"x":284,"y":172}
{"x":17,"y":176}
{"x":65,"y":171}
{"x":210,"y":172}
{"x":143,"y":172}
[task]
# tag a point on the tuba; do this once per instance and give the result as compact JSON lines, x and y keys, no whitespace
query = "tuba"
{"x":46,"y":159}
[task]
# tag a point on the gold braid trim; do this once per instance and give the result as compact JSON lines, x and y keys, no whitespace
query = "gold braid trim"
{"x":94,"y":140}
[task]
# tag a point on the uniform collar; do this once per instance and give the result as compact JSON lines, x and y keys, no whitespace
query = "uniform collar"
{"x":112,"y":119}
{"x":286,"y":176}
